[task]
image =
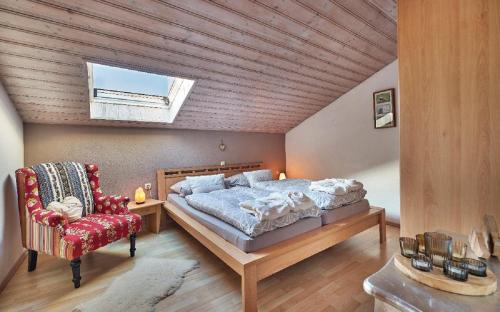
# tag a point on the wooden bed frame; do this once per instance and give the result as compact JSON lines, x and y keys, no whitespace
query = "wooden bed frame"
{"x":255,"y":266}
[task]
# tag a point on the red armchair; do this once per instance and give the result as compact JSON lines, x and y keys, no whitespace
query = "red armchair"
{"x":105,"y":218}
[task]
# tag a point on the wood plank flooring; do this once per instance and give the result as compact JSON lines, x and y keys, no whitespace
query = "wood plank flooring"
{"x":329,"y":281}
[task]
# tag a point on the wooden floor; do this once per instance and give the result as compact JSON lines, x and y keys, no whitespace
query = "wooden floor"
{"x":329,"y":281}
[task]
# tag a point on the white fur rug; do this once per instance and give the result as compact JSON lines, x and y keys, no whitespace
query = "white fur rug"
{"x":141,"y":288}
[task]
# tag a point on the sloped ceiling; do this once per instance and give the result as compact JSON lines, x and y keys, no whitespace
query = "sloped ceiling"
{"x":260,"y":65}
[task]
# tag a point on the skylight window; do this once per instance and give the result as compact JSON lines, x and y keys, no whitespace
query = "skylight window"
{"x":124,"y":94}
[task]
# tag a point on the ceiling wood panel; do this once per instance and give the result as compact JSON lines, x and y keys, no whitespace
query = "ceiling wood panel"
{"x":153,"y":45}
{"x":56,"y":57}
{"x":88,"y":50}
{"x":186,"y":39}
{"x":65,"y":38}
{"x":261,"y":65}
{"x":247,"y":30}
{"x":295,"y":17}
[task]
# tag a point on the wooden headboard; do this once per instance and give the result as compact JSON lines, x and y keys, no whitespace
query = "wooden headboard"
{"x":168,"y":177}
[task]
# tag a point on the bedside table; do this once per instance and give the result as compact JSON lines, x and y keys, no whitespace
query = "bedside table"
{"x":151,"y":209}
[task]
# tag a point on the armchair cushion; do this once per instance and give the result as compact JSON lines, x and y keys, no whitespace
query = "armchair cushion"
{"x":96,"y":230}
{"x":60,"y":180}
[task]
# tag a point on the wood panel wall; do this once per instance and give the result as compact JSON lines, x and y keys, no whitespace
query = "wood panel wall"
{"x":449,"y":58}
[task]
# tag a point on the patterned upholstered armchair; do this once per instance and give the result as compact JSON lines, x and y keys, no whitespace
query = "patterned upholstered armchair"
{"x":104,"y":218}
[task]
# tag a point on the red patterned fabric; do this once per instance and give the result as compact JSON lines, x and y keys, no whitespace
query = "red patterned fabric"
{"x":34,"y":204}
{"x":48,"y":217}
{"x":51,"y":233}
{"x":108,"y":204}
{"x":96,"y":230}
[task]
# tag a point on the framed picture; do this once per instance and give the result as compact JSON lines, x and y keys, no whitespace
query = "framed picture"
{"x":384,"y":109}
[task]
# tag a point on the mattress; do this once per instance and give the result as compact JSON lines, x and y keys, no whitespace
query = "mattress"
{"x":321,"y":199}
{"x":237,"y":237}
{"x":337,"y":214}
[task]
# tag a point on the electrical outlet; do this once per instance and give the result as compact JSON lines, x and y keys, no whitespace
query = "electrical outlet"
{"x":147,"y":186}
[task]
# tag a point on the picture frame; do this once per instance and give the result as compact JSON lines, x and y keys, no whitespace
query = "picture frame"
{"x":384,"y":109}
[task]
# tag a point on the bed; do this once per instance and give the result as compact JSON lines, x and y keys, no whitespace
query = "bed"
{"x":262,"y":258}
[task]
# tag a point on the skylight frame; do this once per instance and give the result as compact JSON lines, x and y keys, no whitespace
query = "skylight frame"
{"x":138,"y":110}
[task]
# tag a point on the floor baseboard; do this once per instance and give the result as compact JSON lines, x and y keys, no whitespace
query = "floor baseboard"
{"x":13,"y":270}
{"x":391,"y":223}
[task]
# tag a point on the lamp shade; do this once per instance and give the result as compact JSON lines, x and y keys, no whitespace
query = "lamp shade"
{"x":140,"y":196}
{"x":282,"y":176}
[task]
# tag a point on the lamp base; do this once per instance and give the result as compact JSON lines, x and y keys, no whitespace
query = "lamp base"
{"x":140,"y":203}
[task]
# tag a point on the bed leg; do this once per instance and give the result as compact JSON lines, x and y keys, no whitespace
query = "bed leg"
{"x":249,"y":288}
{"x":381,"y":228}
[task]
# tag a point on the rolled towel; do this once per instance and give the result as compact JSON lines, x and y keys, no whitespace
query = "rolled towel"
{"x":353,"y":185}
{"x":300,"y":201}
{"x":71,"y":208}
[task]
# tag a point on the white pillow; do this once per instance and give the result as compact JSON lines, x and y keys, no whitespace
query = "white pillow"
{"x":206,"y":184}
{"x":182,"y":188}
{"x":258,"y":176}
{"x":236,"y":180}
{"x":71,"y":208}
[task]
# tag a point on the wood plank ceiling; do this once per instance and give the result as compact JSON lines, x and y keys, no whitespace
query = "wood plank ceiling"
{"x":261,"y":65}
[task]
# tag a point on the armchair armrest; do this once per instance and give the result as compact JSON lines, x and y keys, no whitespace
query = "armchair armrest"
{"x":30,"y":203}
{"x":108,"y":204}
{"x":111,"y":204}
{"x":48,"y":217}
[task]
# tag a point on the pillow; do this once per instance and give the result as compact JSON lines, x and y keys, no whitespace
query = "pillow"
{"x":60,"y":180}
{"x":258,"y":176}
{"x":71,"y":208}
{"x":182,"y":188}
{"x":205,"y":184}
{"x":236,"y":180}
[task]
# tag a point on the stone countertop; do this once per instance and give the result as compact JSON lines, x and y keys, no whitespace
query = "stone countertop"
{"x":392,"y":287}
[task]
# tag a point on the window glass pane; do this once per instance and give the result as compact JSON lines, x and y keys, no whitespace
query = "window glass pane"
{"x":121,"y":79}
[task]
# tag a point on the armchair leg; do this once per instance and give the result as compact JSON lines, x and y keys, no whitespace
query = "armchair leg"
{"x":132,"y":245}
{"x":75,"y":267}
{"x":32,"y":256}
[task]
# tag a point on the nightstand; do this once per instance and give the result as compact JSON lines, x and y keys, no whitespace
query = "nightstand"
{"x":151,"y":209}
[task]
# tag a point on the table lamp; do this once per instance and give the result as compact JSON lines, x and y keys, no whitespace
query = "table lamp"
{"x":140,"y":196}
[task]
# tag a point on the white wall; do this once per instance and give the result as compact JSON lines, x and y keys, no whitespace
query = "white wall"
{"x":11,"y":158}
{"x":340,"y":141}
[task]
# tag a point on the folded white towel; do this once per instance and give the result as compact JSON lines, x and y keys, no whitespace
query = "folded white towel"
{"x":336,"y":187}
{"x":277,"y":205}
{"x":271,"y":207}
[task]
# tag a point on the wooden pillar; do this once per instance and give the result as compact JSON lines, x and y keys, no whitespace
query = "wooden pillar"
{"x":449,"y":78}
{"x":382,"y":227}
{"x":249,"y":288}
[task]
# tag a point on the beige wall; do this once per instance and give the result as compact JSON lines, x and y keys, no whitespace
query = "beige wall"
{"x":129,"y":157}
{"x":340,"y":141}
{"x":450,"y":112}
{"x":11,"y":158}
